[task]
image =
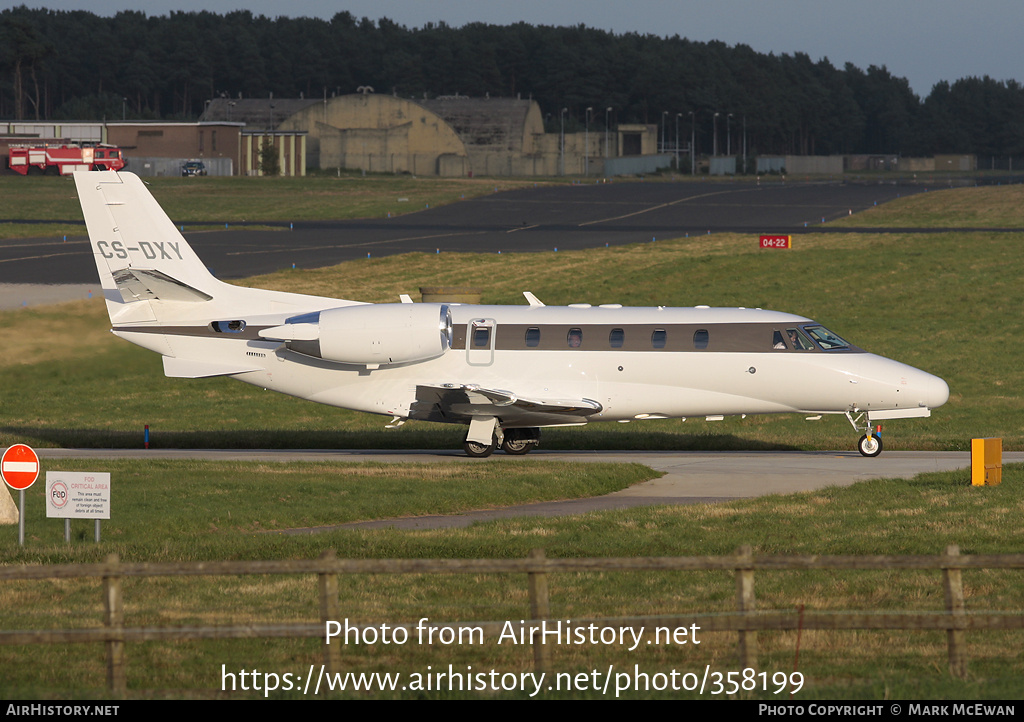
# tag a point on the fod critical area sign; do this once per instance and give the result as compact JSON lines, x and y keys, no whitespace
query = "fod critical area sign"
{"x":77,"y":495}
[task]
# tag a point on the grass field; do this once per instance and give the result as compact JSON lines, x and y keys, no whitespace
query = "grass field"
{"x":942,"y":302}
{"x":982,"y":207}
{"x":170,"y":512}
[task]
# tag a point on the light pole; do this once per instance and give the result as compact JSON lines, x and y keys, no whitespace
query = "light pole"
{"x":607,"y":112}
{"x":678,"y":116}
{"x":744,"y":145}
{"x":714,"y":134}
{"x":693,"y":143}
{"x":728,"y":134}
{"x":562,"y":117}
{"x":664,"y":115}
{"x":586,"y":135}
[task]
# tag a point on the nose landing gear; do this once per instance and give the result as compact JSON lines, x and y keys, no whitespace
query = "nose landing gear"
{"x":870,"y":444}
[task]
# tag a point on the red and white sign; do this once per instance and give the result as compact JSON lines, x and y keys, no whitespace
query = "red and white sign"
{"x":19,"y":466}
{"x":78,"y":494}
{"x":776,"y":242}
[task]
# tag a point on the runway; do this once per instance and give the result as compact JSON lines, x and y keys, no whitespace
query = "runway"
{"x":565,"y":217}
{"x":690,"y":477}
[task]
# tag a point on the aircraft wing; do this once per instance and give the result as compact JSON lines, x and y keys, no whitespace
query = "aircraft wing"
{"x":460,"y":403}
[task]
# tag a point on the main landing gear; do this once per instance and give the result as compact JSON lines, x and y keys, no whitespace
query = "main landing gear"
{"x":515,"y":442}
{"x":870,"y":444}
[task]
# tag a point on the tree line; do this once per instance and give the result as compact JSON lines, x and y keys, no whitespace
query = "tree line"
{"x":75,"y":65}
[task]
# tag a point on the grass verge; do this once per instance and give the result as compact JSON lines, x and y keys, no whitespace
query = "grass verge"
{"x":993,"y":206}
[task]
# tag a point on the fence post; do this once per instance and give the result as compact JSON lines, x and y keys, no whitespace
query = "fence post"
{"x":952,"y":582}
{"x":328,"y":585}
{"x":745,"y":603}
{"x":113,"y":620}
{"x":540,"y":609}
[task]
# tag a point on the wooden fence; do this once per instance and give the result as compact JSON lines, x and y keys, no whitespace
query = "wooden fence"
{"x":746,"y":621}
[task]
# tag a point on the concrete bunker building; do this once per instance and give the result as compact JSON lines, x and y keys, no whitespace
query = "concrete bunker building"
{"x":447,"y":136}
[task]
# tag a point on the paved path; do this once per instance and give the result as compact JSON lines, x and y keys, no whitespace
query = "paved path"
{"x":690,"y":477}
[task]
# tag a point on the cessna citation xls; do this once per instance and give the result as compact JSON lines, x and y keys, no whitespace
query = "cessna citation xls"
{"x":502,"y":371}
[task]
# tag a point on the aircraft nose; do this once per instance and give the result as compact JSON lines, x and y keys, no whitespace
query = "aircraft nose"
{"x":912,"y":386}
{"x":933,"y":391}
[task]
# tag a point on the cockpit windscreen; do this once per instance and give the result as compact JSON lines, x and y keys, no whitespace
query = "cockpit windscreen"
{"x":825,"y":338}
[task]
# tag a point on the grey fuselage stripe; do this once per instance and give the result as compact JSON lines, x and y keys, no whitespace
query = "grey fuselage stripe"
{"x":678,"y":338}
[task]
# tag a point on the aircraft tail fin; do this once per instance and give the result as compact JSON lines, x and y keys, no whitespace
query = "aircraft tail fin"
{"x":139,"y":254}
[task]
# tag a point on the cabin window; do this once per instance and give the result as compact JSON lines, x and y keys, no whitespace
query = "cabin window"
{"x":100,"y":154}
{"x":574,"y":338}
{"x":825,"y":338}
{"x":700,"y":338}
{"x":777,"y":341}
{"x":798,"y":341}
{"x":659,"y":338}
{"x":228,"y":326}
{"x":481,"y":337}
{"x":532,"y":337}
{"x":616,"y":337}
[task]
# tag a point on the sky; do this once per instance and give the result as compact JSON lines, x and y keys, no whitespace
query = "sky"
{"x":924,"y":41}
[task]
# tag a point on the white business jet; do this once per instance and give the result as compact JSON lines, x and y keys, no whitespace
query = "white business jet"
{"x":502,"y":371}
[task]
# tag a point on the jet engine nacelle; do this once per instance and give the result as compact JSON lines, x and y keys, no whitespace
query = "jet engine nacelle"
{"x":372,"y":335}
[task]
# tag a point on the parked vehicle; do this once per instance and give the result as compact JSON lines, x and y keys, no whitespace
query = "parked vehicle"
{"x":63,"y":158}
{"x":193,"y":167}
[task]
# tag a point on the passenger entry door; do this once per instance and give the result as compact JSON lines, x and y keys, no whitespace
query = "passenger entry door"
{"x":480,"y":338}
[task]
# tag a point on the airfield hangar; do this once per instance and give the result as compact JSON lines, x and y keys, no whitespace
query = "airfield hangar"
{"x":450,"y":136}
{"x":447,"y":136}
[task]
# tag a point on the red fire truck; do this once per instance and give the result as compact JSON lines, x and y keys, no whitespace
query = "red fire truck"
{"x":64,"y":158}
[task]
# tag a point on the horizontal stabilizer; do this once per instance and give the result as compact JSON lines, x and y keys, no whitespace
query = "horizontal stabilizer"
{"x":184,"y":368}
{"x":139,"y":284}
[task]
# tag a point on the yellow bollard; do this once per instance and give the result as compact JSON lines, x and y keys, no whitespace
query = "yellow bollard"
{"x":986,"y":462}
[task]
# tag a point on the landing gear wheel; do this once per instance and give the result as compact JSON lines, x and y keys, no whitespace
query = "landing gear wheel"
{"x":477,"y":450}
{"x":870,"y":445}
{"x":518,"y":447}
{"x":520,"y":441}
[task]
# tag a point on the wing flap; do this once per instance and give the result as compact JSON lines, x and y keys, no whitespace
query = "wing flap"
{"x":461,"y":403}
